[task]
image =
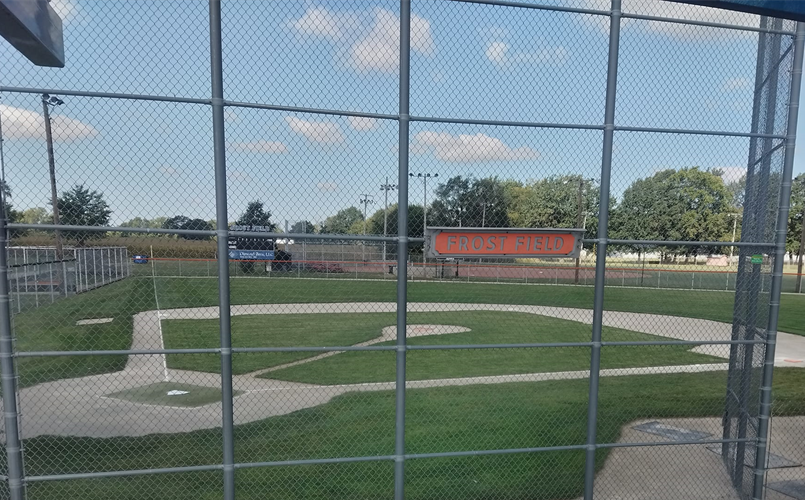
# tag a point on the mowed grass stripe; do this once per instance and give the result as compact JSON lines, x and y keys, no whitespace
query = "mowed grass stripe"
{"x":486,"y":327}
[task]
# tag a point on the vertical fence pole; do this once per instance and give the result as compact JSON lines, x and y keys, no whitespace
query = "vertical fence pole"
{"x":402,"y":249}
{"x":777,"y":272}
{"x":86,"y":270}
{"x":221,"y":223}
{"x":25,"y":272}
{"x":601,"y":248}
{"x":8,"y":376}
{"x":50,"y":281}
{"x":745,"y":317}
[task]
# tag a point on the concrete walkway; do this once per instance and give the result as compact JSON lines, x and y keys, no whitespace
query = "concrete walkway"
{"x":78,"y":406}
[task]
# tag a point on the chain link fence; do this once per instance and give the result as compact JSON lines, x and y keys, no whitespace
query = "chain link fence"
{"x":37,"y":276}
{"x":220,"y":288}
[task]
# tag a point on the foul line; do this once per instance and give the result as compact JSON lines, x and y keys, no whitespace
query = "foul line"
{"x":165,"y":373}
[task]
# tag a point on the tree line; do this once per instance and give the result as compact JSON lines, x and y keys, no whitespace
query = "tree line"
{"x":688,"y":204}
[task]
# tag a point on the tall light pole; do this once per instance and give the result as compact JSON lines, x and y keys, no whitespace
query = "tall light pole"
{"x":366,"y":199}
{"x":386,"y":188}
{"x":47,"y":101}
{"x":424,"y":177}
{"x":581,"y":217}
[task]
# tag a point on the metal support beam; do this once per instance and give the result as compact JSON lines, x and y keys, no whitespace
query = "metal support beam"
{"x":222,"y":232}
{"x":8,"y":376}
{"x":402,"y":248}
{"x":601,"y":248}
{"x":777,"y":272}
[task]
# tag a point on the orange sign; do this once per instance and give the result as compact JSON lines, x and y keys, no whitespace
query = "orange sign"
{"x":486,"y":242}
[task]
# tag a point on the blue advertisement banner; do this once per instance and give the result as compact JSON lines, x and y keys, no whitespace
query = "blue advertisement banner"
{"x":251,"y":254}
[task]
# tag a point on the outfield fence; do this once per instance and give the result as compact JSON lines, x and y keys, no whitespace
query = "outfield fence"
{"x":39,"y":276}
{"x":182,"y":119}
{"x":680,"y":278}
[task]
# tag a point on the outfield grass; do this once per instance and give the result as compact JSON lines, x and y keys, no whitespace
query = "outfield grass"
{"x":283,"y":330}
{"x":52,"y":327}
{"x":487,"y":327}
{"x":511,"y":415}
{"x":717,"y":306}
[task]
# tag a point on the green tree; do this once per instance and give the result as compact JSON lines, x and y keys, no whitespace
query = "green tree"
{"x":415,"y":219}
{"x":186,"y":223}
{"x":737,"y":189}
{"x":795,"y":215}
{"x":469,"y":202}
{"x":342,"y":221}
{"x":303,"y":227}
{"x":143,"y":223}
{"x":553,"y":202}
{"x":256,"y":215}
{"x":689,"y":204}
{"x":81,"y":207}
{"x":11,"y":214}
{"x":36,"y":215}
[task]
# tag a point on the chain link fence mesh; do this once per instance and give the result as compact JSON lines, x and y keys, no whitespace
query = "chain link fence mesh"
{"x":494,"y":390}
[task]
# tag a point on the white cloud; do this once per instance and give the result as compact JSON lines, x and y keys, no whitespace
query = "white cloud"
{"x":469,"y":148}
{"x":169,"y":171}
{"x":231,"y":116}
{"x":362,"y":123}
{"x":379,"y":50}
{"x":66,"y":9}
{"x":261,"y":147}
{"x":19,"y":123}
{"x":661,"y":8}
{"x":319,"y":22}
{"x":321,"y":132}
{"x":736,"y":83}
{"x":369,"y":46}
{"x":327,"y":187}
{"x":498,"y":53}
{"x":732,"y":174}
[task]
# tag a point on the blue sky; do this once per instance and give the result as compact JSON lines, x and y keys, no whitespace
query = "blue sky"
{"x":155,"y":159}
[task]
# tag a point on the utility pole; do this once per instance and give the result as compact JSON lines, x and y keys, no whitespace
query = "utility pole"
{"x":386,"y":188}
{"x":47,"y":101}
{"x":579,"y":220}
{"x":424,"y":177}
{"x":734,"y":232}
{"x":366,"y":199}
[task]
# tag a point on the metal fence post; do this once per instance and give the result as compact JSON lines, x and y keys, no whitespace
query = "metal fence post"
{"x":50,"y":281}
{"x":601,"y":248}
{"x":777,"y":273}
{"x":86,"y":270}
{"x":221,"y":223}
{"x":8,"y":376}
{"x":402,"y":249}
{"x":94,"y":270}
{"x":745,"y":320}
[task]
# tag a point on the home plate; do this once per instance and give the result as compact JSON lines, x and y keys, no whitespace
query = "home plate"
{"x":177,"y":393}
{"x":95,"y":321}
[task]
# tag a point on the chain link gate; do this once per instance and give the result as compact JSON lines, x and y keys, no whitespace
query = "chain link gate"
{"x":338,"y":361}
